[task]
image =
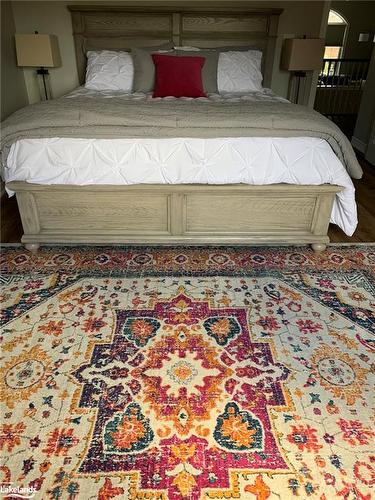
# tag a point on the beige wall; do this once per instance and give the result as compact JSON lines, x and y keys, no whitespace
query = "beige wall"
{"x":299,"y":18}
{"x":361,"y":18}
{"x":13,"y":90}
{"x":48,"y":18}
{"x":370,"y":150}
{"x":366,"y":114}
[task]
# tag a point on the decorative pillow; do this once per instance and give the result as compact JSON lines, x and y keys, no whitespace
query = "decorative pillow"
{"x":109,"y":70}
{"x":144,"y":69}
{"x":209,"y":71}
{"x":239,"y":71}
{"x":178,"y":76}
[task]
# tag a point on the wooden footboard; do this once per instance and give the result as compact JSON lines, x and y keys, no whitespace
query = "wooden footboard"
{"x":175,"y":214}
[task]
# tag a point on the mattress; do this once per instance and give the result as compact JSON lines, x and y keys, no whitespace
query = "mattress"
{"x":247,"y":160}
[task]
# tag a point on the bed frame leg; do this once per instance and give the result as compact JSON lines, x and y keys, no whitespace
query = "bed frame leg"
{"x":32,"y":247}
{"x":318,"y":247}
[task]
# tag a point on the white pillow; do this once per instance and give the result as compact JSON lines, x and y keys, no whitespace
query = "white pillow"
{"x":239,"y":71}
{"x":109,"y":70}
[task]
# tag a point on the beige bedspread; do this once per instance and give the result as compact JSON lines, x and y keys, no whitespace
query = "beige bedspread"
{"x":82,"y":117}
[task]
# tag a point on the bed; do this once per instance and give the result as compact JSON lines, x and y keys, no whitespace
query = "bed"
{"x":225,"y":210}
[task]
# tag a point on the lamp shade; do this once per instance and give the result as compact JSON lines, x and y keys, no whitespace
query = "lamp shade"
{"x":302,"y":54}
{"x":37,"y":50}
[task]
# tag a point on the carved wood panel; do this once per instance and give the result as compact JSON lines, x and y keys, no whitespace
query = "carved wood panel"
{"x":227,"y":23}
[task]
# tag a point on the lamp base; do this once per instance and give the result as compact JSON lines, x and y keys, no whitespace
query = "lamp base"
{"x":44,"y":84}
{"x":298,"y":75}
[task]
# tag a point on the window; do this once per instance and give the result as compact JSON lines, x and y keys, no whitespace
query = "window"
{"x":332,"y":52}
{"x":335,"y":36}
{"x":335,"y":18}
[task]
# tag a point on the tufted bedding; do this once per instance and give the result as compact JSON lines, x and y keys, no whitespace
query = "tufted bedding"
{"x":139,"y":140}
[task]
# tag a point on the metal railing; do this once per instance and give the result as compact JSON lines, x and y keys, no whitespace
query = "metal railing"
{"x":340,"y":85}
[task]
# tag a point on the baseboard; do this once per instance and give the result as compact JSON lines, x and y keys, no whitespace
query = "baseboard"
{"x":358,"y":144}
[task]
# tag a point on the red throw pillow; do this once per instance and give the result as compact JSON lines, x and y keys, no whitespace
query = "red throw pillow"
{"x":178,"y":76}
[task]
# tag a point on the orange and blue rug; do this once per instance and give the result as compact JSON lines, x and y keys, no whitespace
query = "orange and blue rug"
{"x":188,"y":373}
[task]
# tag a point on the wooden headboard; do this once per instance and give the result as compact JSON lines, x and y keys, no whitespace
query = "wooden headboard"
{"x":228,"y":23}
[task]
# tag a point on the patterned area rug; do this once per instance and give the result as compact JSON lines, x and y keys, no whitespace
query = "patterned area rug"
{"x":189,"y":373}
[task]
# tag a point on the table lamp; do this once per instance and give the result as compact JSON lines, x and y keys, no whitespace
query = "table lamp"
{"x":41,"y":51}
{"x":300,"y":55}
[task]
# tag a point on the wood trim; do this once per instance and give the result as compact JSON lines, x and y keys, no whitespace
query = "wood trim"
{"x":177,"y":223}
{"x":28,"y":212}
{"x":305,"y":190}
{"x":175,"y":214}
{"x":227,"y":6}
{"x":324,"y":204}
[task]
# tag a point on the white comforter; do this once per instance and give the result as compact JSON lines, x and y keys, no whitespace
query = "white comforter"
{"x":258,"y":160}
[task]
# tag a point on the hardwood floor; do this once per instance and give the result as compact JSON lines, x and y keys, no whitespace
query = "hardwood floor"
{"x":365,"y":197}
{"x":11,"y":227}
